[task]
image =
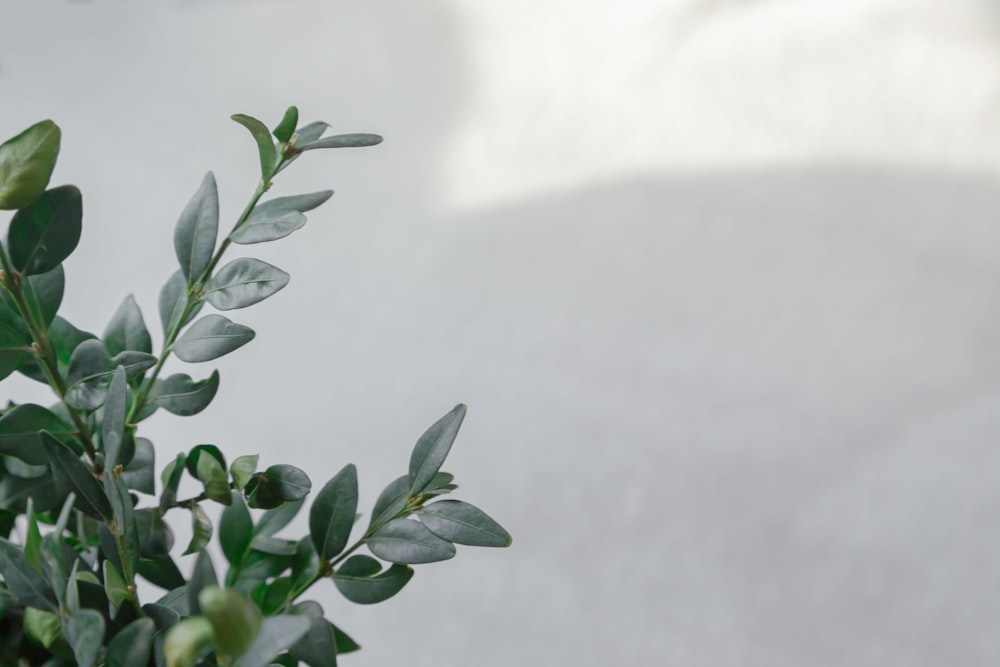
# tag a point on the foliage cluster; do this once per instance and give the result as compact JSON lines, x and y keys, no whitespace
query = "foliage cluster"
{"x":80,"y":514}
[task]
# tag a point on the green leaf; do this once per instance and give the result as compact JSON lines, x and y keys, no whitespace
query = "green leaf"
{"x":182,"y":396}
{"x":235,"y":619}
{"x":114,"y":585}
{"x":235,"y":530}
{"x":344,"y":642}
{"x":391,"y":501}
{"x":305,"y":564}
{"x":43,"y":627}
{"x":356,"y":140}
{"x":19,"y":429}
{"x":242,"y":469}
{"x":26,"y":164}
{"x":124,"y":525}
{"x":14,"y":347}
{"x":47,"y":231}
{"x":171,"y":478}
{"x":462,"y":523}
{"x":262,"y":492}
{"x":132,"y":645}
{"x":15,"y":491}
{"x":359,"y":581}
{"x":271,"y":545}
{"x":197,"y":229}
{"x":318,"y":647}
{"x":72,"y":475}
{"x":140,"y":473}
{"x":202,"y":577}
{"x":244,"y":282}
{"x":291,"y":483}
{"x":113,"y":423}
{"x":265,"y":145}
{"x":432,"y":449}
{"x":406,"y":541}
{"x":332,"y":514}
{"x":33,"y":540}
{"x":172,"y":300}
{"x":65,"y":338}
{"x":156,"y":539}
{"x":44,"y":293}
{"x":84,"y":631}
{"x":186,"y":641}
{"x":283,"y":132}
{"x":127,"y":330}
{"x":277,"y":634}
{"x":161,"y":572}
{"x":196,"y":453}
{"x":201,"y":527}
{"x":277,"y":218}
{"x":275,"y":519}
{"x":211,"y":337}
{"x":88,"y":375}
{"x":134,"y":363}
{"x":29,"y":586}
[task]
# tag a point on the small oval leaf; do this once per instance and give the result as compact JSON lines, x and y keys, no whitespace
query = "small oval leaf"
{"x":210,"y":338}
{"x":26,"y":164}
{"x":406,"y":541}
{"x":331,"y":516}
{"x":197,"y":229}
{"x":244,"y":282}
{"x":462,"y":523}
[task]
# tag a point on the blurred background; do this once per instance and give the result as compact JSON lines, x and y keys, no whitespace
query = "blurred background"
{"x":717,"y":278}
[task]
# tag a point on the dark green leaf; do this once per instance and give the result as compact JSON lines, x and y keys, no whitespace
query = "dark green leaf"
{"x":140,"y":473}
{"x":26,"y":164}
{"x":406,"y":541}
{"x":262,"y":492}
{"x":131,"y":646}
{"x":318,"y":647}
{"x":432,"y":448}
{"x":358,"y":580}
{"x":194,"y":457}
{"x":44,"y":293}
{"x":29,"y":586}
{"x":201,"y":529}
{"x":344,"y":642}
{"x":202,"y":577}
{"x":332,"y":514}
{"x":161,"y":572}
{"x":356,"y":140}
{"x":275,"y":596}
{"x":88,"y":375}
{"x":283,"y":132}
{"x":47,"y":231}
{"x":156,"y":539}
{"x":197,"y":229}
{"x":305,"y":564}
{"x":19,"y":428}
{"x":113,"y":423}
{"x":292,"y":483}
{"x":244,"y":282}
{"x":134,"y":363}
{"x":171,"y":478}
{"x":463,"y":523}
{"x":275,"y":519}
{"x":235,"y":619}
{"x":180,"y":395}
{"x":124,"y":525}
{"x":265,"y":145}
{"x":14,"y":347}
{"x":211,"y":337}
{"x":391,"y":501}
{"x":278,"y":218}
{"x":257,"y":567}
{"x":72,"y":475}
{"x":242,"y":469}
{"x":277,"y":634}
{"x":114,"y":585}
{"x":33,"y":540}
{"x":127,"y":330}
{"x":15,"y":491}
{"x":65,"y":338}
{"x":235,"y":530}
{"x":173,"y":299}
{"x":84,"y":631}
{"x":43,"y":627}
{"x":19,"y":468}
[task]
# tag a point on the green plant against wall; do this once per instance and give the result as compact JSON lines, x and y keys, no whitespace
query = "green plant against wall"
{"x":80,"y":516}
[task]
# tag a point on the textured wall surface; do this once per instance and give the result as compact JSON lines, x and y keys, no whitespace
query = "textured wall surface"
{"x":717,"y":279}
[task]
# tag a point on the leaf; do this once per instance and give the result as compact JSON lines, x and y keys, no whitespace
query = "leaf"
{"x":19,"y":429}
{"x":235,"y":619}
{"x":391,"y":501}
{"x":114,"y":585}
{"x":356,"y":140}
{"x":87,"y":375}
{"x":201,"y":527}
{"x":156,"y":539}
{"x":432,"y":449}
{"x":127,"y":330}
{"x":235,"y":530}
{"x":171,"y":478}
{"x":84,"y":631}
{"x":131,"y":646}
{"x":65,"y":338}
{"x":278,"y":218}
{"x":134,"y":363}
{"x":244,"y":282}
{"x":275,"y":519}
{"x":113,"y":423}
{"x":331,"y":516}
{"x":265,"y":145}
{"x":202,"y":577}
{"x":15,"y":491}
{"x":283,"y":132}
{"x":46,"y":232}
{"x":242,"y":469}
{"x":344,"y":643}
{"x":197,"y":229}
{"x":180,"y":395}
{"x":140,"y":473}
{"x":358,"y":580}
{"x":194,"y":458}
{"x":186,"y":641}
{"x":29,"y":586}
{"x":211,"y":337}
{"x":26,"y":164}
{"x":124,"y":525}
{"x":161,"y":572}
{"x":276,"y":635}
{"x":212,"y":475}
{"x":274,"y":546}
{"x":43,"y":627}
{"x":305,"y":565}
{"x":72,"y":475}
{"x":462,"y":523}
{"x":406,"y":541}
{"x":318,"y":647}
{"x":33,"y":540}
{"x":291,"y":483}
{"x":173,"y":300}
{"x":44,"y":293}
